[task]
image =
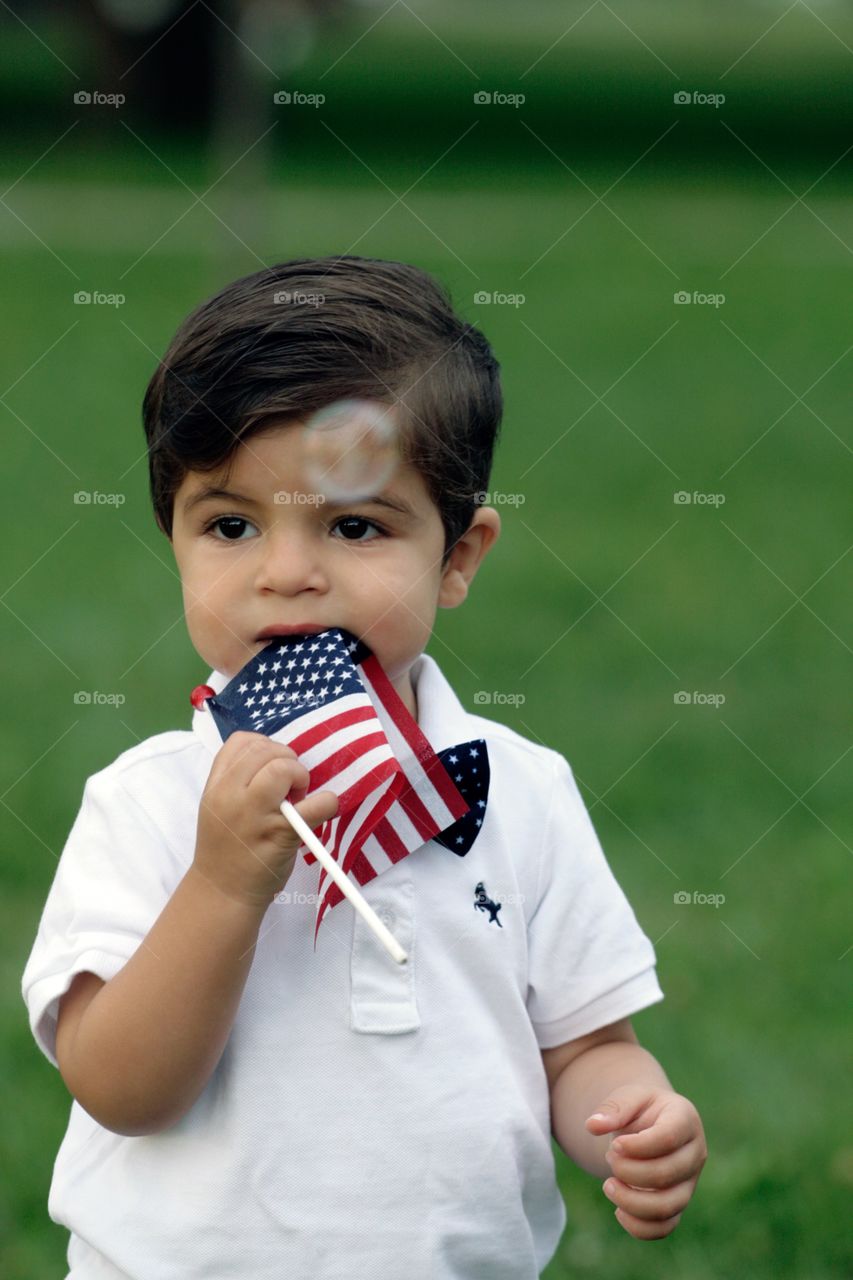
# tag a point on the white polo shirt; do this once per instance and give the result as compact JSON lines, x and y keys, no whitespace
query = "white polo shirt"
{"x":365,"y":1119}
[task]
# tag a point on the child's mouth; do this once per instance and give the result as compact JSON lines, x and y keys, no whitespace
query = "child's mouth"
{"x":285,"y":630}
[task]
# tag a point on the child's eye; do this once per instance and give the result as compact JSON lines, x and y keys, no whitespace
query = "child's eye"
{"x":232,"y":528}
{"x":355,"y":525}
{"x":229,"y":521}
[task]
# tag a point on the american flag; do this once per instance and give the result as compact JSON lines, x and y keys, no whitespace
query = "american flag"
{"x":327,"y":697}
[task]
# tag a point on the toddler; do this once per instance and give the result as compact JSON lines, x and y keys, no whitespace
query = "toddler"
{"x":245,"y":1105}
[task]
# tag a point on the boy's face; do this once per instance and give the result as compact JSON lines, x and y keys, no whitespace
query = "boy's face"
{"x":249,"y":565}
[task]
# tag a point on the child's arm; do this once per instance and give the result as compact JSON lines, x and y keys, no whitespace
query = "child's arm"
{"x":137,"y":1054}
{"x":142,"y":1048}
{"x":655,"y":1162}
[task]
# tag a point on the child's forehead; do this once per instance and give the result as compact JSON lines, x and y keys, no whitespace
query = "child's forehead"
{"x":273,"y":459}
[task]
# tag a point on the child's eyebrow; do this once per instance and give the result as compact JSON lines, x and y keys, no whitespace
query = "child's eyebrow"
{"x":391,"y":501}
{"x":211,"y":491}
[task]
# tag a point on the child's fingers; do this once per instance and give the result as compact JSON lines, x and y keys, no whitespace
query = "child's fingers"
{"x":319,"y":807}
{"x":650,"y":1206}
{"x":643,"y":1229}
{"x":275,"y":780}
{"x":657,"y":1172}
{"x":666,"y":1134}
{"x":242,"y":755}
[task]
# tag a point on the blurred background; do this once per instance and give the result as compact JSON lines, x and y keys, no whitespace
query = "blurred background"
{"x":646,"y":208}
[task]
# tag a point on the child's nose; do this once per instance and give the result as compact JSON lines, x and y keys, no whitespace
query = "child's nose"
{"x":291,"y":561}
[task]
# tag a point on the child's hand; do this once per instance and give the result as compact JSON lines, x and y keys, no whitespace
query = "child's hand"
{"x":244,"y":843}
{"x":656,"y":1160}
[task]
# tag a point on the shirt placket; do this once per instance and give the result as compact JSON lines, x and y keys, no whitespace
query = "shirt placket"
{"x":383,"y":991}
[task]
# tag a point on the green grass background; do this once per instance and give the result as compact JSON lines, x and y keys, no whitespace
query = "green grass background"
{"x":600,"y":601}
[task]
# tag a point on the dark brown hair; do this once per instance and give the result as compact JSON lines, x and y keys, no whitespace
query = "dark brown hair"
{"x":293,"y":338}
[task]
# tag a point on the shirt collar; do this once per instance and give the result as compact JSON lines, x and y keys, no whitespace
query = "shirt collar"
{"x":442,"y":719}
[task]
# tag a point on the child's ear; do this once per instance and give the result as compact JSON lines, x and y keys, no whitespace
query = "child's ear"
{"x":465,"y":558}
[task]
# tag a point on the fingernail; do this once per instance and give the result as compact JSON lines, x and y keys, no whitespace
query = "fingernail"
{"x":617,"y":1147}
{"x":598,"y":1116}
{"x":608,"y":1189}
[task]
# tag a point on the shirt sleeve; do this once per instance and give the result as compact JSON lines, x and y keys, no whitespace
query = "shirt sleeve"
{"x":114,"y":877}
{"x":590,"y":963}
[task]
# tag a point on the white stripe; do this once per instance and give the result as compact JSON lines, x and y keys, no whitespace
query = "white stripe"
{"x":404,"y":827}
{"x":348,"y":735}
{"x":364,"y":809}
{"x":311,"y":719}
{"x":348,"y":777}
{"x":376,"y":855}
{"x":340,"y":738}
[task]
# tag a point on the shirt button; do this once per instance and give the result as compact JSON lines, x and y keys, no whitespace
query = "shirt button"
{"x":387,"y":917}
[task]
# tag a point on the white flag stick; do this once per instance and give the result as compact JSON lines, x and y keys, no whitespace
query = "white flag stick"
{"x":345,"y":885}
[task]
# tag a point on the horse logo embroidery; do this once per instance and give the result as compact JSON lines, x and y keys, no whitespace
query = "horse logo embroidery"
{"x":482,"y":902}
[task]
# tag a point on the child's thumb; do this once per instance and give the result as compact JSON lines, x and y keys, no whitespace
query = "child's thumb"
{"x":607,"y":1117}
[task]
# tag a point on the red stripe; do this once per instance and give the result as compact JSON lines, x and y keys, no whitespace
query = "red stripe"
{"x":349,"y":754}
{"x":419,"y":815}
{"x":355,"y":849}
{"x":309,"y":737}
{"x":347,"y":812}
{"x":334,"y":897}
{"x":391,"y":843}
{"x":360,"y":867}
{"x":409,"y":728}
{"x":396,"y":708}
